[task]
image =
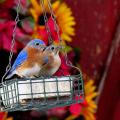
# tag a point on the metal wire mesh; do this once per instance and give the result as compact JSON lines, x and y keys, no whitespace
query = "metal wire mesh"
{"x":41,"y":93}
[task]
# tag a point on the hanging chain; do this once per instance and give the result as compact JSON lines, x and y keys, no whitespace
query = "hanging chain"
{"x":13,"y":41}
{"x":47,"y":29}
{"x":59,"y":38}
{"x":50,"y":40}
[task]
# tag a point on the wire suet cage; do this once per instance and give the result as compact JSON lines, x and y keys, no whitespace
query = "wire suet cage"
{"x":44,"y":92}
{"x":41,"y":93}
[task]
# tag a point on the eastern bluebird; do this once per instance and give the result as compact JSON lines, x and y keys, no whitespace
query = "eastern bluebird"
{"x":28,"y":63}
{"x":52,"y":61}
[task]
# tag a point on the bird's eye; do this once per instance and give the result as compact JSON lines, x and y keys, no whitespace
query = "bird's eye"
{"x":37,"y":44}
{"x":52,"y":48}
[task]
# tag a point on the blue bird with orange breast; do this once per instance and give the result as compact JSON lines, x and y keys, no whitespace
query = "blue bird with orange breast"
{"x":29,"y":61}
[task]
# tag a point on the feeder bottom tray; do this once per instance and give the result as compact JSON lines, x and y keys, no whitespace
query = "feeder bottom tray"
{"x":38,"y":93}
{"x":42,"y":100}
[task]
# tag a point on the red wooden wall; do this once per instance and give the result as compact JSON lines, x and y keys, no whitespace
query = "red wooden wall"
{"x":95,"y":29}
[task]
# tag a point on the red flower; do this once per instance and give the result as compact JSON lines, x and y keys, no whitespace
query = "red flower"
{"x":41,"y":31}
{"x":43,"y":34}
{"x":53,"y":30}
{"x":6,"y":4}
{"x":75,"y":109}
{"x":6,"y":31}
{"x":64,"y":68}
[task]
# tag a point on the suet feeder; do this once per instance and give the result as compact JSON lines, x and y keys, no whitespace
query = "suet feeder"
{"x":44,"y":92}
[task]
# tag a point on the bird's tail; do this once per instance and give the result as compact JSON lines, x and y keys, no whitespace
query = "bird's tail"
{"x":10,"y":75}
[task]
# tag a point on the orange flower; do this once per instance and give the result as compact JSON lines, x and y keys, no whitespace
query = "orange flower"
{"x":88,"y":107}
{"x":63,"y":14}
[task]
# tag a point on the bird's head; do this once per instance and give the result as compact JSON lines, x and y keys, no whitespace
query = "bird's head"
{"x":36,"y":43}
{"x":52,"y":49}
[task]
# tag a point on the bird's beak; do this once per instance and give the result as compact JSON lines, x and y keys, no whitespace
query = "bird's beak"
{"x":57,"y":49}
{"x":43,"y":48}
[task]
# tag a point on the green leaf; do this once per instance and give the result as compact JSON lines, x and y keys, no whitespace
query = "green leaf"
{"x":67,"y":48}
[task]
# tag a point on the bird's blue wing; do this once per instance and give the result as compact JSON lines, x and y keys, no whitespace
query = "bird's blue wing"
{"x":22,"y":56}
